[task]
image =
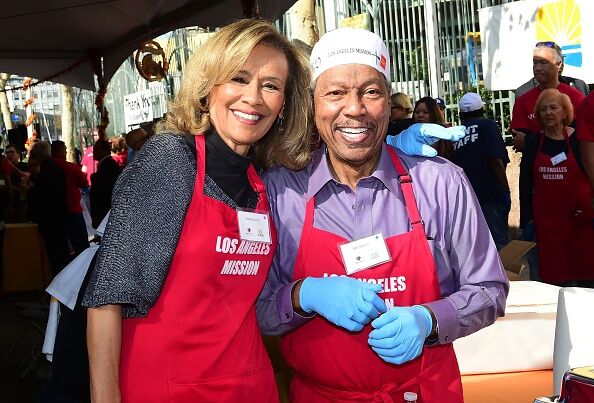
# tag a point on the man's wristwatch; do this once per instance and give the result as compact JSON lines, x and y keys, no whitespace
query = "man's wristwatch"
{"x":434,"y":334}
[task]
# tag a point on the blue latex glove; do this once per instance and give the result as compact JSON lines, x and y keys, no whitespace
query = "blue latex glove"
{"x":417,"y":139}
{"x":400,"y":333}
{"x":344,"y":301}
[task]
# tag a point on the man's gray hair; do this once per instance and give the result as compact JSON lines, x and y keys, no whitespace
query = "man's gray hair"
{"x":556,"y":56}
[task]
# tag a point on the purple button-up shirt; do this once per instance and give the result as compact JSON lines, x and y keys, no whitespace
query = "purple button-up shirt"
{"x":471,"y":278}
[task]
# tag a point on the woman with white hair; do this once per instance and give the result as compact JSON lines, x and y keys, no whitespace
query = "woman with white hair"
{"x":561,"y":208}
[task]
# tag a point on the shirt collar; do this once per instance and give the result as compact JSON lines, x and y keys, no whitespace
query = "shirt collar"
{"x":321,"y":173}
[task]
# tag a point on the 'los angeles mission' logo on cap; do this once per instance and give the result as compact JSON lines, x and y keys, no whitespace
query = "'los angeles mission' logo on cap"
{"x":380,"y":59}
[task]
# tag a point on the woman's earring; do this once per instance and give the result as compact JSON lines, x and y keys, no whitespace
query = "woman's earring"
{"x":280,"y":122}
{"x":204,"y":106}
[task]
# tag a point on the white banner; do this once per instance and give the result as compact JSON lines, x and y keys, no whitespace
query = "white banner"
{"x":510,"y":31}
{"x":138,"y":108}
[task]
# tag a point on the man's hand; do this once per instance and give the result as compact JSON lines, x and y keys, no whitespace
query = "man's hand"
{"x":417,"y":139}
{"x":400,"y":333}
{"x":344,"y":301}
{"x":519,"y":139}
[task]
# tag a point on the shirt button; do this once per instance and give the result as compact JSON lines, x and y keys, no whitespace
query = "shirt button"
{"x":287,"y":315}
{"x":447,"y":338}
{"x":353,"y":206}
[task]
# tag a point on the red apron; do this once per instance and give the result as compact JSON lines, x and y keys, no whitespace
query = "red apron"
{"x":562,"y":214}
{"x":201,"y":341}
{"x":332,"y":364}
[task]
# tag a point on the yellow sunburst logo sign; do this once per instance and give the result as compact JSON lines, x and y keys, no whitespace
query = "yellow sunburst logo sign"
{"x":560,"y":22}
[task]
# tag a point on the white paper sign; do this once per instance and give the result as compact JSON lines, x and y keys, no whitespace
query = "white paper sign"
{"x":510,"y":31}
{"x":138,"y":108}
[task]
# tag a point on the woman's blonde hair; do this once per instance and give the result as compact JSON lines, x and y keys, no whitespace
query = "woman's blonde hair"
{"x":217,"y":62}
{"x":402,"y":100}
{"x":555,"y":95}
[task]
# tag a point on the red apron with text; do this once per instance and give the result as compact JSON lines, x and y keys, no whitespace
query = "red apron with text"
{"x":201,"y":341}
{"x":332,"y":364}
{"x":562,"y":219}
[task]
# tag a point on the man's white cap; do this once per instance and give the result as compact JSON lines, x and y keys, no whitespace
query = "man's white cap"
{"x":349,"y":46}
{"x":471,"y":101}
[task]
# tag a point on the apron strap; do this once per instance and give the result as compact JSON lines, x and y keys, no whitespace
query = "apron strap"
{"x":200,"y":164}
{"x":407,"y":190}
{"x":256,"y":181}
{"x":565,"y":137}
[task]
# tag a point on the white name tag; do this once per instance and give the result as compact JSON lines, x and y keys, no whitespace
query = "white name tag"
{"x":364,"y":253}
{"x":254,"y":226}
{"x":558,"y":158}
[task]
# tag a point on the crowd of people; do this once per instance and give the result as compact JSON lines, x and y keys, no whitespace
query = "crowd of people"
{"x":38,"y":184}
{"x":292,"y":195}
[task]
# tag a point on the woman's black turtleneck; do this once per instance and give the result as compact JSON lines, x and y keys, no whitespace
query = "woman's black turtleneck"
{"x":228,"y":169}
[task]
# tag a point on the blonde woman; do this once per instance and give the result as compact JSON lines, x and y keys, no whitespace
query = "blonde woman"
{"x":400,"y":113}
{"x":189,"y":242}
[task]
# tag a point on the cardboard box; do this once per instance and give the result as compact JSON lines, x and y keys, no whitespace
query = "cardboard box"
{"x":522,"y":340}
{"x":511,"y":256}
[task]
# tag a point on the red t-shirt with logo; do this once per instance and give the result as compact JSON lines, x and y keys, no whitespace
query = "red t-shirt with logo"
{"x":585,"y":119}
{"x":87,"y":161}
{"x":523,"y":114}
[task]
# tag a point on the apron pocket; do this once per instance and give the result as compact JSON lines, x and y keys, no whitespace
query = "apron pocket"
{"x":257,"y":385}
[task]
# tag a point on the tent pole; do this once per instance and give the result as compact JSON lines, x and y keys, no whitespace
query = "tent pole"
{"x":100,"y":98}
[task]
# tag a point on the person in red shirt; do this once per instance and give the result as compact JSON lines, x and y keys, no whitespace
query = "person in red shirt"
{"x":6,"y":167}
{"x":76,"y":180}
{"x":119,"y":151}
{"x":89,"y":165}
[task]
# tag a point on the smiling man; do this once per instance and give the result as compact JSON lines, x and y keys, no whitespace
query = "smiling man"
{"x":383,"y":259}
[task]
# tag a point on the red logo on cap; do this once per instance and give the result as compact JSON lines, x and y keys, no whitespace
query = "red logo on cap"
{"x":383,"y":62}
